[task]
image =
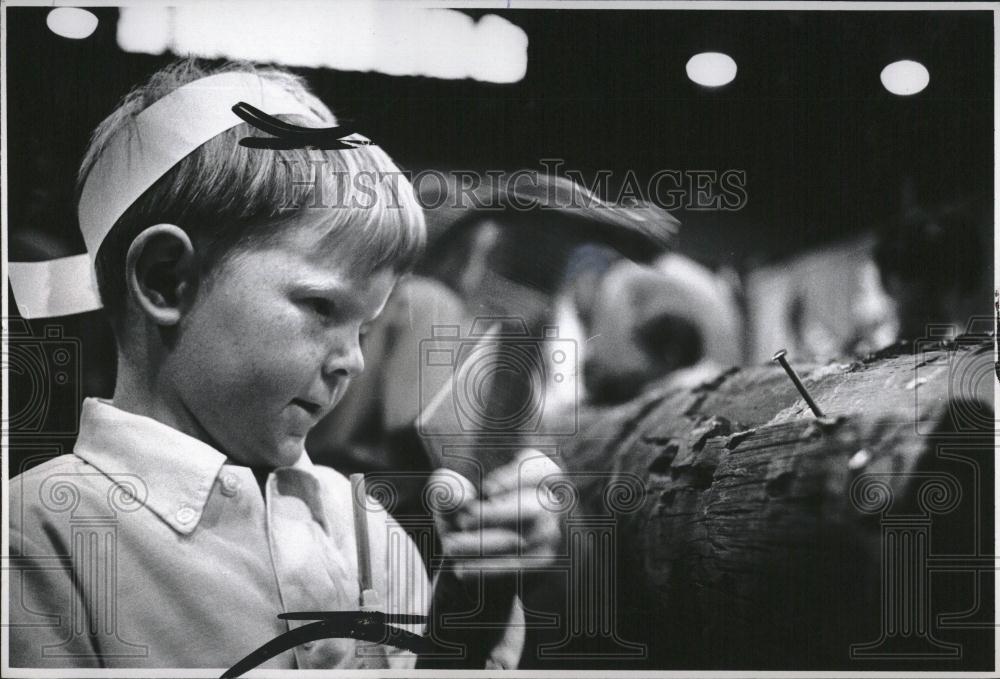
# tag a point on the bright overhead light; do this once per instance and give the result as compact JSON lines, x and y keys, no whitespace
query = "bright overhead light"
{"x":905,"y":77}
{"x":145,"y":30}
{"x":71,"y":22}
{"x":711,"y":69}
{"x":395,"y":39}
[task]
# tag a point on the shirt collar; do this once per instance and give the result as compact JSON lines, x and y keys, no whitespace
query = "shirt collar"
{"x":176,"y":471}
{"x":300,"y":480}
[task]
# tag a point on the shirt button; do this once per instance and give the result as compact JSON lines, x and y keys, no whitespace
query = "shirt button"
{"x":185,"y":514}
{"x":230,"y":485}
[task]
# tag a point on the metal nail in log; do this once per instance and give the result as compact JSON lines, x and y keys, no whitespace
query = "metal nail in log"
{"x":779,"y":356}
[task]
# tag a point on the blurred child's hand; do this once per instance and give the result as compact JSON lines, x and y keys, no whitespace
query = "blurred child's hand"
{"x":514,"y":522}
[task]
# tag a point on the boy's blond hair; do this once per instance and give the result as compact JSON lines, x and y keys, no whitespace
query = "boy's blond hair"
{"x":226,"y":196}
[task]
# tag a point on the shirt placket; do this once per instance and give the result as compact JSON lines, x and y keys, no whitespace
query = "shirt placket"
{"x":311,"y":573}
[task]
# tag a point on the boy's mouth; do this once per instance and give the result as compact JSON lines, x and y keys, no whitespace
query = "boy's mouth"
{"x":310,"y":407}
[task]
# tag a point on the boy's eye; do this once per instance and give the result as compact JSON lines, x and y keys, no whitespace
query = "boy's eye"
{"x":320,"y":306}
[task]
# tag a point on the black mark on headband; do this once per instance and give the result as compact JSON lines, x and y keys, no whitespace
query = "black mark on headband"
{"x":289,"y":136}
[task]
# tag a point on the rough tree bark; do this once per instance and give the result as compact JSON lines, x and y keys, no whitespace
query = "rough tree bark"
{"x":761,"y":537}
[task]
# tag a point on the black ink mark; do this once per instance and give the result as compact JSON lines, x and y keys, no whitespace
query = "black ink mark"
{"x":289,"y":136}
{"x":363,"y":625}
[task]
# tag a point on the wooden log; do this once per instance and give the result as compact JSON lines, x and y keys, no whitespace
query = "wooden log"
{"x":763,"y":535}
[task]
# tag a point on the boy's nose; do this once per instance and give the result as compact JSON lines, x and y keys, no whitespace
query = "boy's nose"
{"x":345,"y":361}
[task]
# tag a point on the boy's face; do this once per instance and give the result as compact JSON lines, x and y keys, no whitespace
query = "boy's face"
{"x":270,"y":344}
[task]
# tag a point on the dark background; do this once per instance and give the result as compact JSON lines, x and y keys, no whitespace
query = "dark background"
{"x":825,"y":147}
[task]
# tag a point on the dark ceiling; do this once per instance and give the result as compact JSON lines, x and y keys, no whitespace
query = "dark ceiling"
{"x":825,"y":148}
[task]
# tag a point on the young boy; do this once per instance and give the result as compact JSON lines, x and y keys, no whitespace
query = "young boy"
{"x":238,"y":281}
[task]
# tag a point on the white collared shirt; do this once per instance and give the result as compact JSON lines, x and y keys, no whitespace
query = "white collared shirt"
{"x":147,"y":548}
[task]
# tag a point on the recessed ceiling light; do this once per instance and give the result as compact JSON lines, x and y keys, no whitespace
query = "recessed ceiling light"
{"x":905,"y":77}
{"x":711,"y":69}
{"x":71,"y":22}
{"x":348,"y":36}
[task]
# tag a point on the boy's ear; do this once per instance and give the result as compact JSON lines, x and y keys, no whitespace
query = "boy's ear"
{"x":160,"y":272}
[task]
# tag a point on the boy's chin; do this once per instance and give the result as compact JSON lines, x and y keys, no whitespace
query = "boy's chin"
{"x":283,"y":453}
{"x":288,"y":451}
{"x":262,"y":447}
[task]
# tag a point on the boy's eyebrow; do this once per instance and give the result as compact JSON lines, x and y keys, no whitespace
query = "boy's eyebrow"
{"x":340,"y":292}
{"x":321,"y":287}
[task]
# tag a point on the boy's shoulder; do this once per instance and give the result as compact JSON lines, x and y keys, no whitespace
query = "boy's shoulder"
{"x":64,"y":486}
{"x":37,"y":476}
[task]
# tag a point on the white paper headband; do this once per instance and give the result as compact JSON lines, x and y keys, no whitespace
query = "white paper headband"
{"x":162,"y":135}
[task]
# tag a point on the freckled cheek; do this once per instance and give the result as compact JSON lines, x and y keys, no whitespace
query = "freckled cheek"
{"x":285,"y":358}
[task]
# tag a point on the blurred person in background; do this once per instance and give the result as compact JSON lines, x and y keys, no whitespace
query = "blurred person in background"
{"x":674,"y":318}
{"x":932,"y":264}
